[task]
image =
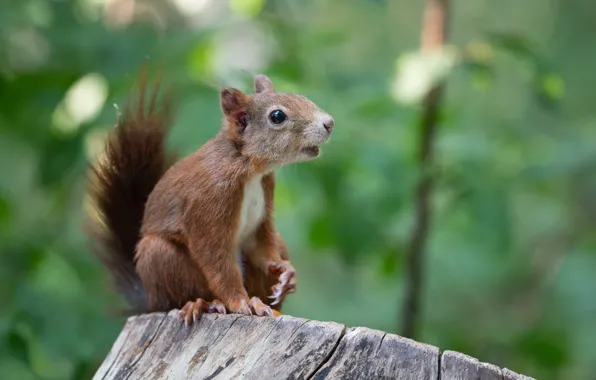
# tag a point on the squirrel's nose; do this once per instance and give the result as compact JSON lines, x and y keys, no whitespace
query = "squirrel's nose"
{"x":328,"y":124}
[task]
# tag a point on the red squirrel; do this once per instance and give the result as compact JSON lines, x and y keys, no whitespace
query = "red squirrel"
{"x":199,"y":235}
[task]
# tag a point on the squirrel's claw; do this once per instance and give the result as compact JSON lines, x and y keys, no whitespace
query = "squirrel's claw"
{"x":259,"y":308}
{"x":242,"y":308}
{"x":286,"y":277}
{"x":280,"y":293}
{"x":218,"y":307}
{"x":193,"y":310}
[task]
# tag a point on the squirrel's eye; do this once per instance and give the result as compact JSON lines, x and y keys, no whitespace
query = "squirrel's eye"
{"x":277,"y":117}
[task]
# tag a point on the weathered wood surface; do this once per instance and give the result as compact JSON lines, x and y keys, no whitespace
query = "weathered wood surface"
{"x":158,"y":346}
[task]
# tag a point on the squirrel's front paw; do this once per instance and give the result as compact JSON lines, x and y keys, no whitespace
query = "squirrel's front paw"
{"x":285,"y":274}
{"x":259,"y":308}
{"x":192,"y":311}
{"x":253,"y":307}
{"x":239,"y":307}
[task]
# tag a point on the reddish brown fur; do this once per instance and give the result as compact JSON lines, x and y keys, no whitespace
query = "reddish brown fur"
{"x":187,"y":247}
{"x":120,"y":185}
{"x":199,"y":213}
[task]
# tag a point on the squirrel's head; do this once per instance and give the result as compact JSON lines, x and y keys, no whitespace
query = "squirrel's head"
{"x":279,"y":128}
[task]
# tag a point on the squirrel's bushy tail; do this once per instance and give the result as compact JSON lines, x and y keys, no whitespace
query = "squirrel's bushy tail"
{"x":134,"y":161}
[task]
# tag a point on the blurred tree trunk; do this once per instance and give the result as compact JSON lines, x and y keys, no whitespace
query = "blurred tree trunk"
{"x":434,"y":28}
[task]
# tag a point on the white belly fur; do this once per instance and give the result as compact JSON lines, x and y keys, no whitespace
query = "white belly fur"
{"x":251,"y":212}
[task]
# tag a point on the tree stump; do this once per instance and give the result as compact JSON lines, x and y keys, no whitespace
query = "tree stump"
{"x":159,"y":346}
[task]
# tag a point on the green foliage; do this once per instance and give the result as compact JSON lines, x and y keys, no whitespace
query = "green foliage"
{"x":511,"y":254}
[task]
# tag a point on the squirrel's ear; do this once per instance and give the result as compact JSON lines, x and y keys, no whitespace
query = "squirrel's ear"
{"x":233,"y":105}
{"x":232,"y":101}
{"x":263,"y":84}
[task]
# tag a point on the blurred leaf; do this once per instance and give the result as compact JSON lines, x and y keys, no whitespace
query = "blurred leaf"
{"x":18,"y":346}
{"x":199,"y":60}
{"x":482,"y":75}
{"x":553,"y":86}
{"x":514,"y":44}
{"x":391,"y":262}
{"x":550,"y":89}
{"x":247,"y":7}
{"x":84,"y":370}
{"x":60,"y":155}
{"x":375,"y":108}
{"x":321,"y":235}
{"x":5,"y":209}
{"x":549,"y":86}
{"x":547,"y":348}
{"x":327,"y":39}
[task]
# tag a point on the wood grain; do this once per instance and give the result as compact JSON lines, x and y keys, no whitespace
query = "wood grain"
{"x":159,"y":346}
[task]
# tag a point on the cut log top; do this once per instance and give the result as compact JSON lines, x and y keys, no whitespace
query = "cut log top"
{"x":159,"y":346}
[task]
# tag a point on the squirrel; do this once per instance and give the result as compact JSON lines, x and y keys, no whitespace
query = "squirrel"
{"x":198,"y":235}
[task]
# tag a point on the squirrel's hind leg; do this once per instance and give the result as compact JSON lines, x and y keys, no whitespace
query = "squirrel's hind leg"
{"x":169,"y":276}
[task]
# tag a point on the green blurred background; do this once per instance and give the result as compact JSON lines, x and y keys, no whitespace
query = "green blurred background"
{"x":511,"y":258}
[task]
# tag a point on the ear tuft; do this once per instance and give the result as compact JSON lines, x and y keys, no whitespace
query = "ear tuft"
{"x":233,"y":105}
{"x":263,"y":84}
{"x":232,"y":100}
